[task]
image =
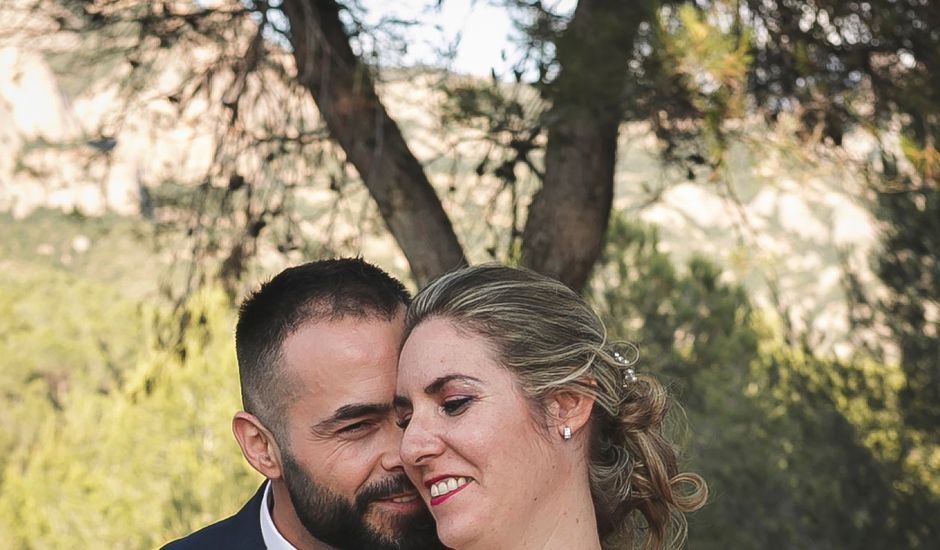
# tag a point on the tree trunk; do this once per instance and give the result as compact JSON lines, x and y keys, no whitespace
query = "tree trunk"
{"x":567,"y":223}
{"x":345,"y":94}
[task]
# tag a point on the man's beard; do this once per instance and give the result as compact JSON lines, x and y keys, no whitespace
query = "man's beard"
{"x":331,"y":519}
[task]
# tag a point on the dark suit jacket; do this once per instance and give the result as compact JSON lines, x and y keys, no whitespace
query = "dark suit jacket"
{"x":239,"y":532}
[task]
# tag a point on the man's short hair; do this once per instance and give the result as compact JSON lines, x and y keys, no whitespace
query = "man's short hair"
{"x":321,"y":290}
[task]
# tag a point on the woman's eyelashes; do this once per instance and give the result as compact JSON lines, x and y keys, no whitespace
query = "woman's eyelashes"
{"x":403,"y":420}
{"x":451,"y":406}
{"x":455,"y":406}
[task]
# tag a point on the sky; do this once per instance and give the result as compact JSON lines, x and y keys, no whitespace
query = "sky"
{"x":484,"y":28}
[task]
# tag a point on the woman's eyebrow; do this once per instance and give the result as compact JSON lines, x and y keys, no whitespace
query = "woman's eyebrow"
{"x":439,"y":383}
{"x":401,"y":402}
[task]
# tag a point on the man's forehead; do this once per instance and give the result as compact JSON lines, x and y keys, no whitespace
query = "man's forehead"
{"x":343,"y":362}
{"x":342,"y":334}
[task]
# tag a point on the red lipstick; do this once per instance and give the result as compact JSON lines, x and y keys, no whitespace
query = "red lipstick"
{"x":440,"y":499}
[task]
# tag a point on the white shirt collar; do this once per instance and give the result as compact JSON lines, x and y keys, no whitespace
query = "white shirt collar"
{"x":273,"y":539}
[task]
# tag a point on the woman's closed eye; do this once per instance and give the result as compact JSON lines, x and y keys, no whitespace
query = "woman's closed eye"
{"x":455,"y":406}
{"x":403,"y":420}
{"x":452,"y":406}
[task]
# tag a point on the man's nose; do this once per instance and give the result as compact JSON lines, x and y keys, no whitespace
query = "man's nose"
{"x":391,"y":457}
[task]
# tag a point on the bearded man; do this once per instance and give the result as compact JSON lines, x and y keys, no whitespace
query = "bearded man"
{"x":317,"y":350}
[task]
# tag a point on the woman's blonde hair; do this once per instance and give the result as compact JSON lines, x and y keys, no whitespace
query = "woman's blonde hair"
{"x":552,"y":340}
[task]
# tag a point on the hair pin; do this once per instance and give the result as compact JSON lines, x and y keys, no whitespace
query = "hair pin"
{"x":629,"y":376}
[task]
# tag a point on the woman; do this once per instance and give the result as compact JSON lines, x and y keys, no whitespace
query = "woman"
{"x":524,"y":428}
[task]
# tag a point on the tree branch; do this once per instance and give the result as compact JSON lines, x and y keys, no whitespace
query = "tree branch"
{"x":345,"y":94}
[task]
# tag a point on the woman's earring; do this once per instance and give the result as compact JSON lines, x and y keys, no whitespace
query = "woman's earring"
{"x":566,"y":433}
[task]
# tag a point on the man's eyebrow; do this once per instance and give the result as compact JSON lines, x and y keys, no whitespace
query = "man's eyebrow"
{"x":349,"y":412}
{"x":439,"y":383}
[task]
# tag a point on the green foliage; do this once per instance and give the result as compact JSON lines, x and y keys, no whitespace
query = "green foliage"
{"x":58,"y":335}
{"x":117,"y":441}
{"x":838,"y":59}
{"x":796,"y":450}
{"x":687,"y":324}
{"x":826,"y":435}
{"x":471,"y":103}
{"x":909,"y":266}
{"x":713,"y":65}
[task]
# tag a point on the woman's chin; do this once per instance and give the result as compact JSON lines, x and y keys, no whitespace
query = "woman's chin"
{"x":458,"y":535}
{"x":458,"y":541}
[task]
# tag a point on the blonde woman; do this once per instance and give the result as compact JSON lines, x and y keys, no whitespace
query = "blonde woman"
{"x":524,"y":428}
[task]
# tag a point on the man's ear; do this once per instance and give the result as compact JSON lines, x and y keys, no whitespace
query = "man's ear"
{"x":571,"y":410}
{"x":258,"y":444}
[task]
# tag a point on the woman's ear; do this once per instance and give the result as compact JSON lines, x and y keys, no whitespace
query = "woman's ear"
{"x":258,"y":444}
{"x":570,"y":411}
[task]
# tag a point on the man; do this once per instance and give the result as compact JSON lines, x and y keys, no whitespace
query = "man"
{"x":317,"y":351}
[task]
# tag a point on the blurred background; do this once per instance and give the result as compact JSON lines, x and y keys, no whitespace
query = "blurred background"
{"x":747,"y":189}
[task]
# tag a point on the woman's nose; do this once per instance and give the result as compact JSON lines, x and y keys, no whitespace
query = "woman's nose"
{"x":419,"y":443}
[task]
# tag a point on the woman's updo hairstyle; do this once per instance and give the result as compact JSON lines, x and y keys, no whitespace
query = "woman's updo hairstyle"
{"x":552,"y":340}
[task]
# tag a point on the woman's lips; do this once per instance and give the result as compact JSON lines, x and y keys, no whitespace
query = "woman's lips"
{"x":444,"y":487}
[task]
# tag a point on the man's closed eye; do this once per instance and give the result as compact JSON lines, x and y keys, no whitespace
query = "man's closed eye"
{"x":357,"y":428}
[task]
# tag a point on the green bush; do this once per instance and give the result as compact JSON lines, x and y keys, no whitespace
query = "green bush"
{"x":128,"y":459}
{"x":798,"y":451}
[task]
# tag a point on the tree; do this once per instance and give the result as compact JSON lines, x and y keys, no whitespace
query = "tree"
{"x":686,"y":68}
